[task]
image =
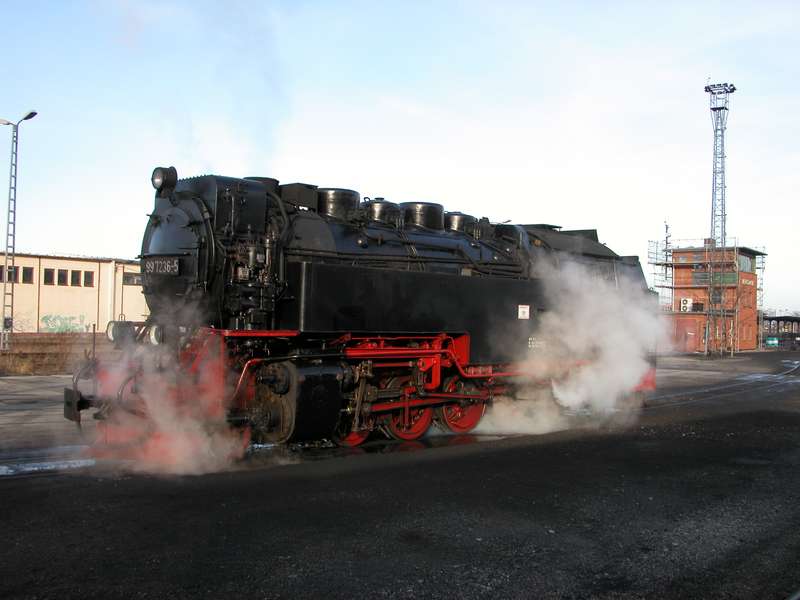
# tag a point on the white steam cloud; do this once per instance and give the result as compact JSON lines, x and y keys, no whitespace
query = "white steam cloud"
{"x":592,"y":346}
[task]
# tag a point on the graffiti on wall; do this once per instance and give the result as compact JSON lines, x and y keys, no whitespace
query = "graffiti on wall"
{"x":63,"y":324}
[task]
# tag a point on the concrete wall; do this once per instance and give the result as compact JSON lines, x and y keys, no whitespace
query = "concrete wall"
{"x":55,"y":308}
{"x":50,"y":353}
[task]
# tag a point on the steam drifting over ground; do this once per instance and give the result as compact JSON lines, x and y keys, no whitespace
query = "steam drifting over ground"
{"x":609,"y":325}
{"x":173,"y":428}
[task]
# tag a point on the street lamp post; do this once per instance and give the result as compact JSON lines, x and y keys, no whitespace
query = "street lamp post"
{"x":9,"y":269}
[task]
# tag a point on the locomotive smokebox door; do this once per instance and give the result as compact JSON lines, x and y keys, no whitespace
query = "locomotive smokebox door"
{"x":296,"y":403}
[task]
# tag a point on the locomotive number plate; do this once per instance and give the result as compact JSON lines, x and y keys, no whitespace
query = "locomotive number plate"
{"x":161,"y":266}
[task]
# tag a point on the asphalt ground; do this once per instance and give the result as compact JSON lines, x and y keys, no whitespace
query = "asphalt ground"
{"x":697,"y":499}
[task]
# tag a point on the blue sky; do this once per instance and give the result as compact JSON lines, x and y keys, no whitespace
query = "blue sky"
{"x":582,"y":114}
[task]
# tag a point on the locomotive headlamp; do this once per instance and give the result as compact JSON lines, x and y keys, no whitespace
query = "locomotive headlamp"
{"x":164,"y":178}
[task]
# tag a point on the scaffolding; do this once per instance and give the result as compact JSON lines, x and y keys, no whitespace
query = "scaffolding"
{"x":709,"y":285}
{"x":659,"y":256}
{"x":760,"y":267}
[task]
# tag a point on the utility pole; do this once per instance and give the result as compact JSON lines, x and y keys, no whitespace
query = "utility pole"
{"x":9,"y":269}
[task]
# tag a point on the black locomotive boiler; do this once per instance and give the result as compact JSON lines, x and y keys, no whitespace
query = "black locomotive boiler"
{"x":322,"y":315}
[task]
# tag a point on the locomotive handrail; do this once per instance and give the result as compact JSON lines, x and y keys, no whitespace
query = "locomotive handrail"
{"x":490,"y":268}
{"x":456,"y":249}
{"x":303,"y":252}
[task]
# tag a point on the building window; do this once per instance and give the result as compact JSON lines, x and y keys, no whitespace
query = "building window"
{"x":13,"y":274}
{"x":745,"y":263}
{"x":88,"y":279}
{"x":27,"y":274}
{"x":75,"y":278}
{"x":49,"y":276}
{"x":131,"y":279}
{"x":63,"y":274}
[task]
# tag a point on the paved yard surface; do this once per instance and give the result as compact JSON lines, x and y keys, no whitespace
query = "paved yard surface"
{"x":698,"y":499}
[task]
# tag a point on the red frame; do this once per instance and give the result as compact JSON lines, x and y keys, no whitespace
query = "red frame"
{"x":432,"y":354}
{"x":207,"y":362}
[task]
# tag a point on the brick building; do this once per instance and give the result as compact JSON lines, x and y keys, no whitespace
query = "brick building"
{"x":715,"y":294}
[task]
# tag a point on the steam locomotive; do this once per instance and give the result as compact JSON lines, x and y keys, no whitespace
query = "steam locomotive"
{"x":310,"y":313}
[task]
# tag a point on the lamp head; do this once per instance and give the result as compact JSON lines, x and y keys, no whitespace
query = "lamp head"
{"x":164,"y":180}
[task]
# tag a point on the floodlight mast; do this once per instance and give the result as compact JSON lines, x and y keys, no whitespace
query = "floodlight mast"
{"x":715,"y":248}
{"x":718,"y":103}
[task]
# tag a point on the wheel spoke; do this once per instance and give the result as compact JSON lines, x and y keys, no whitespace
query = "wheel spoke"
{"x":457,"y":417}
{"x":460,"y":419}
{"x":347,"y":438}
{"x":419,"y":420}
